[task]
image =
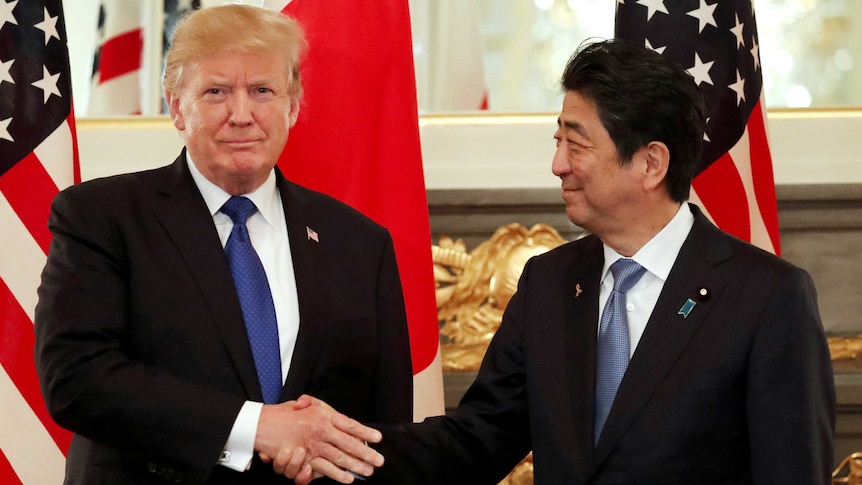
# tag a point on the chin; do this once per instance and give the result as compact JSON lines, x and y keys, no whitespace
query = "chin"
{"x":577,"y":217}
{"x":246,"y":161}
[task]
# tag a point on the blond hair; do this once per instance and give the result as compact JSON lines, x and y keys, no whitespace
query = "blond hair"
{"x":235,"y":28}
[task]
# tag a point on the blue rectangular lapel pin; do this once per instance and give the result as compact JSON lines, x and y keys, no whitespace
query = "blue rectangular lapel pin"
{"x":686,"y":308}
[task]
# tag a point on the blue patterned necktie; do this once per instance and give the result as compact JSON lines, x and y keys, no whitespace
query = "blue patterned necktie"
{"x":255,"y":298}
{"x":612,"y":354}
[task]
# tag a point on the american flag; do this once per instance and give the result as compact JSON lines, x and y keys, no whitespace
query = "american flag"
{"x":717,"y":42}
{"x":312,"y":234}
{"x":119,"y":81}
{"x":116,"y":83}
{"x":38,"y":157}
{"x":174,"y":11}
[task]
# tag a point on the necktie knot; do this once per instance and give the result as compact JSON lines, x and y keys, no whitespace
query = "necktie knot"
{"x":626,"y":274}
{"x":239,"y":209}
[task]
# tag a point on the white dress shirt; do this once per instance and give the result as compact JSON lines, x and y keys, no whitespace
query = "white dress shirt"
{"x":267,"y":230}
{"x":657,"y":256}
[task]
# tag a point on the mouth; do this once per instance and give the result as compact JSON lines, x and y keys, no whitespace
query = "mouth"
{"x":568,"y":193}
{"x":240,"y":144}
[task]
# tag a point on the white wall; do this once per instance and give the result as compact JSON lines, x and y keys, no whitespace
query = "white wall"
{"x":808,"y":147}
{"x":481,"y":151}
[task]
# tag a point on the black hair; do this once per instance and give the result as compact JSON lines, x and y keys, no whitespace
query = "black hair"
{"x":642,"y":97}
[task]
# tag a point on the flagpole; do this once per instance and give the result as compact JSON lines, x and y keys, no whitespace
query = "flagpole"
{"x":154,"y":20}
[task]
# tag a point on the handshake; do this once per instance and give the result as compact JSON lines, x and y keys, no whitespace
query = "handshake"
{"x":307,"y":439}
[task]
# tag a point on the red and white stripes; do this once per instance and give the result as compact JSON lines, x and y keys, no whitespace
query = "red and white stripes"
{"x":116,"y":85}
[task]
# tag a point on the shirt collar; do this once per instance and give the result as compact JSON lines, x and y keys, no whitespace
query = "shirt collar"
{"x":660,"y":252}
{"x":264,"y":197}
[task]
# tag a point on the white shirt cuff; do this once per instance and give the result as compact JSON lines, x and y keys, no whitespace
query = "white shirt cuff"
{"x":239,"y":449}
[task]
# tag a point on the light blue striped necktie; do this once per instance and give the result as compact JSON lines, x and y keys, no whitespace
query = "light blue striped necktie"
{"x":612,"y":351}
{"x":255,"y":298}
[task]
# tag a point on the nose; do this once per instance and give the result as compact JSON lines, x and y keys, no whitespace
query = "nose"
{"x":240,"y":110}
{"x":560,"y":165}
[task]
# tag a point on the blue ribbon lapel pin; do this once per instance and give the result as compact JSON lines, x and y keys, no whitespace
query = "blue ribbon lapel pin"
{"x":686,"y":308}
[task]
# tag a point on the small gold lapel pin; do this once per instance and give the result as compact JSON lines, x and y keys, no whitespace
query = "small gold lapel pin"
{"x":578,"y":290}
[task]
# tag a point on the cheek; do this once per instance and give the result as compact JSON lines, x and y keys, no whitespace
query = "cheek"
{"x":206,"y":120}
{"x":580,"y":168}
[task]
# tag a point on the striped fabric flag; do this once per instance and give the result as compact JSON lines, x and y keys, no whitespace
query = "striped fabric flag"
{"x":116,"y":83}
{"x":38,"y":158}
{"x":717,"y":42}
{"x":174,"y":10}
{"x":357,"y":139}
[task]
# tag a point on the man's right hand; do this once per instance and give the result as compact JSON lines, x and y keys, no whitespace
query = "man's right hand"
{"x":332,"y":443}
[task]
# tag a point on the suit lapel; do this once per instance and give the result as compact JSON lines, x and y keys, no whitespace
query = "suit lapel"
{"x":668,"y":331}
{"x":183,"y":213}
{"x":310,"y":267}
{"x":584,"y":280}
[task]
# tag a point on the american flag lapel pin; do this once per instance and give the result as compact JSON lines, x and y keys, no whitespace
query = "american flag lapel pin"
{"x":312,"y":234}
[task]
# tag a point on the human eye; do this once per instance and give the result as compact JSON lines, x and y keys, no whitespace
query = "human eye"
{"x":576,"y":143}
{"x":213,"y":93}
{"x":263,"y":92}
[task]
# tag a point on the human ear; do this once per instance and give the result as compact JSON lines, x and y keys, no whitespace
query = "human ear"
{"x":657,"y":158}
{"x":294,"y":112}
{"x":174,"y":107}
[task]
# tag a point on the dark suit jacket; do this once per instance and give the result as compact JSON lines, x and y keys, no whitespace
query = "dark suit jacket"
{"x":140,"y":343}
{"x":740,"y":391}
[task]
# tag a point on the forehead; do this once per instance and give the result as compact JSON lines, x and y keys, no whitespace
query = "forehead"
{"x":241,"y":65}
{"x":580,"y":115}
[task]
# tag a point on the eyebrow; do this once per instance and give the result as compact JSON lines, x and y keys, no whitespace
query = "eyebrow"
{"x":574,"y":126}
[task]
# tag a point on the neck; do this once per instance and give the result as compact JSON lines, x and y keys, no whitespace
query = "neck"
{"x":633,"y":237}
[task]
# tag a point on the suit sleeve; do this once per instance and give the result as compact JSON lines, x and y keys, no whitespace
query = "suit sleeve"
{"x":791,"y":394}
{"x":393,"y":392}
{"x":91,"y":361}
{"x":489,"y":432}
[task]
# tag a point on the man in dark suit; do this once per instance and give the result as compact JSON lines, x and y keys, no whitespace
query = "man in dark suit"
{"x":728,"y":377}
{"x":141,"y":329}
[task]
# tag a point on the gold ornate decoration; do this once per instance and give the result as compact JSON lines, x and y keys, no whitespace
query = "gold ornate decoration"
{"x":474,"y":288}
{"x":845,"y":348}
{"x":849,"y":471}
{"x":522,"y":474}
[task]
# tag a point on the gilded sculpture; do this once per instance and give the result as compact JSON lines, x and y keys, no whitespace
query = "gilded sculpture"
{"x":849,"y":471}
{"x":845,"y":348}
{"x":474,"y":288}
